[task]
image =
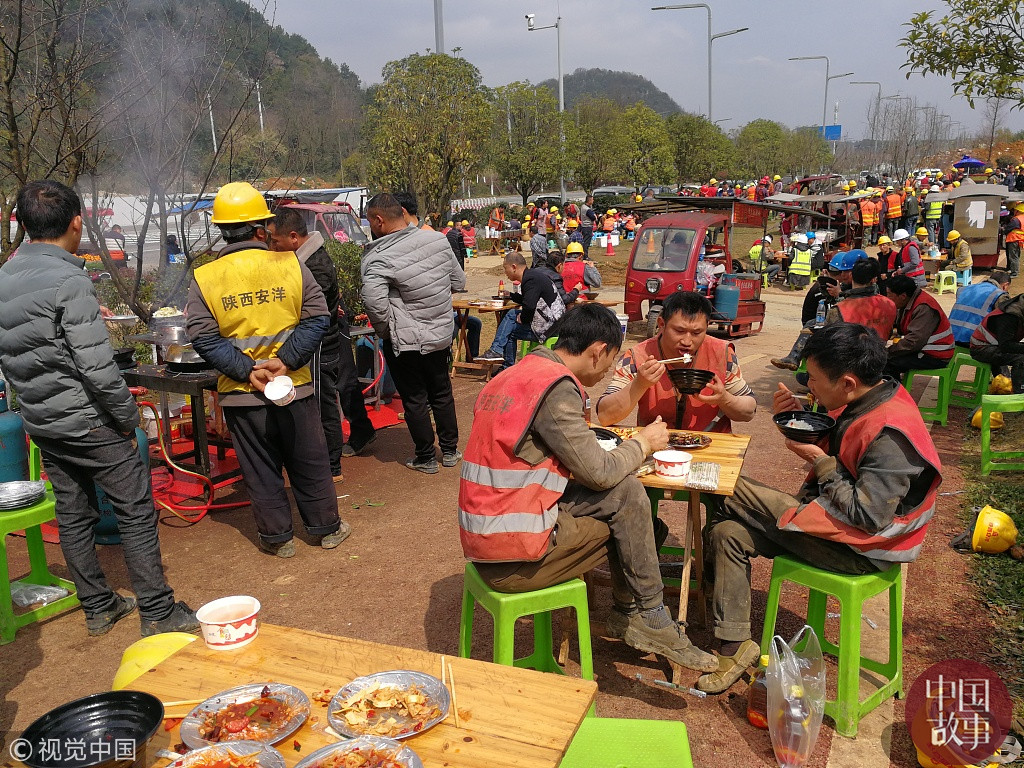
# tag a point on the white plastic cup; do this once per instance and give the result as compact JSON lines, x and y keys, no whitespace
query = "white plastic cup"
{"x":673,"y":465}
{"x":623,"y":323}
{"x":280,"y":390}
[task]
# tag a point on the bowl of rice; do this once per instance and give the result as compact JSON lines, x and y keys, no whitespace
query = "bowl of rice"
{"x":606,"y":438}
{"x":804,"y":426}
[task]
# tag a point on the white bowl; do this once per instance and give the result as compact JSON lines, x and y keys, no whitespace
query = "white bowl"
{"x":674,"y":465}
{"x":230,"y":622}
{"x":280,"y":390}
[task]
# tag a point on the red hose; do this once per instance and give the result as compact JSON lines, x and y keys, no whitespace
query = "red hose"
{"x":372,"y":384}
{"x":167,"y":482}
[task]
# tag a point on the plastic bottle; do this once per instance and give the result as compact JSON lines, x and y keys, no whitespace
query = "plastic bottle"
{"x":819,"y":318}
{"x":757,"y":696}
{"x":501,"y":288}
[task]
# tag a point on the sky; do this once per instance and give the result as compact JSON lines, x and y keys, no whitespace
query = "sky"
{"x":752,"y":77}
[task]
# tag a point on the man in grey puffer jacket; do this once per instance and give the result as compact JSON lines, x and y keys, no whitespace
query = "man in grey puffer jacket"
{"x":408,"y":278}
{"x":55,"y":349}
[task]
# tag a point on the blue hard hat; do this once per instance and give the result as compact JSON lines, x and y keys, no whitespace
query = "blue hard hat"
{"x":811,"y":234}
{"x":844,"y":260}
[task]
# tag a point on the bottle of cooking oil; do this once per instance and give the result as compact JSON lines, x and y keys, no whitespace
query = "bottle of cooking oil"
{"x":757,"y":696}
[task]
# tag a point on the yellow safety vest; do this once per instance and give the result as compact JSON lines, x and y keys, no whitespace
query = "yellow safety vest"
{"x":256,"y":298}
{"x":933,"y":210}
{"x":800,"y":262}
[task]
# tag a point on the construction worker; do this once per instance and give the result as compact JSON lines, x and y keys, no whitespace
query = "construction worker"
{"x":922,"y":239}
{"x":1014,"y":237}
{"x":907,"y":259}
{"x":926,"y":337}
{"x":469,"y":237}
{"x":959,"y":253}
{"x":932,"y":213}
{"x":893,"y":211}
{"x":751,"y":192}
{"x":552,"y":222}
{"x":867,"y":220}
{"x":798,"y":273}
{"x":911,"y":209}
{"x":495,"y":226}
{"x":608,"y":223}
{"x":999,"y":340}
{"x":630,"y":227}
{"x":763,"y":259}
{"x":256,"y":315}
{"x":777,"y":184}
{"x":974,"y":302}
{"x":863,"y":303}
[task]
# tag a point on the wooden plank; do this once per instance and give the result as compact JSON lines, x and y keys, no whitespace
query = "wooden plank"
{"x":511,"y":717}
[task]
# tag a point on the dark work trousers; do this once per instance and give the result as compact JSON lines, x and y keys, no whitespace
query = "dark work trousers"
{"x":1013,"y":258}
{"x":901,"y":362}
{"x":326,"y":370}
{"x":350,"y":392}
{"x":267,"y":437}
{"x":106,"y":458}
{"x":588,"y":236}
{"x":424,"y":383}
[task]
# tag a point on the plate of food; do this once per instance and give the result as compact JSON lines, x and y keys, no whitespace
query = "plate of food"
{"x":689,"y":441}
{"x":363,"y":752}
{"x":234,"y":754}
{"x":626,"y":433}
{"x":265,"y":712}
{"x":396,"y":704}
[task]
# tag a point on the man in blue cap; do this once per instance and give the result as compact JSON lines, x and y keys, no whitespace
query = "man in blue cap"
{"x":822,"y":296}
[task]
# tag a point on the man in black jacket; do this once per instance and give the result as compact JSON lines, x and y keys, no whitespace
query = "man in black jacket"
{"x":541,"y":302}
{"x":56,"y":352}
{"x":333,"y":361}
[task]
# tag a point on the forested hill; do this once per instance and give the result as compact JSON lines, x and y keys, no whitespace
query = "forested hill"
{"x":624,"y":88}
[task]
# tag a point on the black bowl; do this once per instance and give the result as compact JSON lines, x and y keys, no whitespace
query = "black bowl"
{"x":103,"y":722}
{"x":822,"y":423}
{"x":689,"y":381}
{"x":606,"y":434}
{"x":591,"y":294}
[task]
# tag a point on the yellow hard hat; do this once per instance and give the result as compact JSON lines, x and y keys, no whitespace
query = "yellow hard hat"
{"x":574,"y":248}
{"x":995,"y":419}
{"x":465,"y":223}
{"x":988,"y":170}
{"x":239,"y":203}
{"x":938,"y":175}
{"x":922,"y":232}
{"x":531,"y":205}
{"x":525,"y":218}
{"x":885,"y":240}
{"x":713,"y":181}
{"x":953,"y":235}
{"x":853,"y":183}
{"x":889,"y":188}
{"x":777,"y":178}
{"x":1018,"y":206}
{"x":956,"y":183}
{"x":612,"y":211}
{"x":994,"y":532}
{"x":572,"y":224}
{"x":1001,"y":385}
{"x":639,"y":198}
{"x":878,"y":193}
{"x":554,"y":209}
{"x":452,"y":223}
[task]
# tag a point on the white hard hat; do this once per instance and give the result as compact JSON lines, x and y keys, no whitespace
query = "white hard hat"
{"x":901,"y":234}
{"x":934,"y":188}
{"x":801,"y":238}
{"x":768,"y":239}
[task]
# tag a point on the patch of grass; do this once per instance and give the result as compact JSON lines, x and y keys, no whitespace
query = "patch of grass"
{"x":1000,"y":578}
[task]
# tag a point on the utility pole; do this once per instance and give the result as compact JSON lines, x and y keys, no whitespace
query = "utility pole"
{"x":259,"y":105}
{"x":557,"y":26}
{"x":438,"y":26}
{"x":213,"y":131}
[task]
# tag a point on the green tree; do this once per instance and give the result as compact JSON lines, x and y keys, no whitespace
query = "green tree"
{"x":427,"y":126}
{"x":525,"y":147}
{"x":596,"y":143}
{"x":648,"y":146}
{"x":700,"y":148}
{"x":977,"y":43}
{"x":806,"y":152}
{"x":760,"y":148}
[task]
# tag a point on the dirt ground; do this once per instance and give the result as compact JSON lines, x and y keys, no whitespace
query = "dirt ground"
{"x":398,"y":579}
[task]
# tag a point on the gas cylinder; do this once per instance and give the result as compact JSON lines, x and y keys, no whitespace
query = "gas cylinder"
{"x":13,"y":449}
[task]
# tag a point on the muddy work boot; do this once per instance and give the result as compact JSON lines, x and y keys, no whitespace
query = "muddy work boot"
{"x":787,"y":363}
{"x":181,"y":619}
{"x":653,"y":631}
{"x":730,"y":668}
{"x":332,"y":540}
{"x":104,"y":621}
{"x":280,"y":549}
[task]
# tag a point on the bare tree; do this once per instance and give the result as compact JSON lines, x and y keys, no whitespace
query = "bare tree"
{"x":995,"y":116}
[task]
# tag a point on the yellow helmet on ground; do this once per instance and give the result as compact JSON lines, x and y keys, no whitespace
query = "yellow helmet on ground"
{"x":995,"y":420}
{"x":953,"y":235}
{"x":239,"y":203}
{"x":994,"y":532}
{"x":884,"y":240}
{"x":922,"y":232}
{"x":574,"y":248}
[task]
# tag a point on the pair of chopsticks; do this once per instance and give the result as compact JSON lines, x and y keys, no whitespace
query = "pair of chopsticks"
{"x":183,"y":704}
{"x":676,"y":360}
{"x":447,"y":667}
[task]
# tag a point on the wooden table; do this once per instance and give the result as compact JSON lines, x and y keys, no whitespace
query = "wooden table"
{"x":462,"y":309}
{"x":727,"y":451}
{"x":511,"y":717}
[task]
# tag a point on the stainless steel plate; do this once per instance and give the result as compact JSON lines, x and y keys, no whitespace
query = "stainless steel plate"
{"x":433,"y":688}
{"x":21,"y":493}
{"x":267,"y":756}
{"x":289,"y":694}
{"x":403,"y":754}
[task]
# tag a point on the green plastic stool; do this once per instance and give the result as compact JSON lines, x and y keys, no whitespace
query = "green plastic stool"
{"x":940,"y":411}
{"x":526,"y":346}
{"x":30,"y":520}
{"x":945,"y":281}
{"x":968,"y":394}
{"x":998,"y":460}
{"x":506,"y":607}
{"x":852,"y":592}
{"x":604,"y":742}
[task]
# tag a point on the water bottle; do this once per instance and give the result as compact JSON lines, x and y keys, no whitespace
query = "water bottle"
{"x":819,"y":318}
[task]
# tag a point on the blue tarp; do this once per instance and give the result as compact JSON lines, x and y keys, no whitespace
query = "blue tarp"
{"x":969,"y":162}
{"x":196,"y":205}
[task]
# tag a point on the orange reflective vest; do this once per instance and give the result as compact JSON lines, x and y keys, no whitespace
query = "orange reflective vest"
{"x":868,"y":215}
{"x":572,"y":275}
{"x":876,"y":312}
{"x":497,"y":219}
{"x":630,"y":223}
{"x":660,"y":400}
{"x":906,"y":258}
{"x":895,"y":203}
{"x":608,"y":224}
{"x":1016,"y":234}
{"x":941,"y":343}
{"x":507,"y":506}
{"x":901,"y":540}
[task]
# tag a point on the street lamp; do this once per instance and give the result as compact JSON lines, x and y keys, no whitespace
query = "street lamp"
{"x":824,"y":107}
{"x":557,"y":26}
{"x":711,"y":38}
{"x":438,"y":26}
